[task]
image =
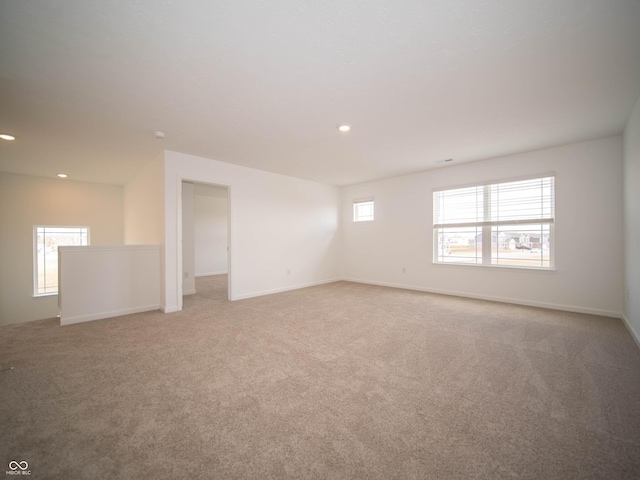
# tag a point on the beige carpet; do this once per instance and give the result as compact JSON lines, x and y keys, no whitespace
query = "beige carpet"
{"x":336,"y":381}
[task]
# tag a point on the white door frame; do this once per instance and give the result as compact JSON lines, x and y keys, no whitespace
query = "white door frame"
{"x":182,"y":178}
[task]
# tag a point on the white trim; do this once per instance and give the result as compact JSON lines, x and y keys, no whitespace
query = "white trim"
{"x":632,"y":331}
{"x":222,"y":272}
{"x":189,"y":292}
{"x":107,"y":248}
{"x":166,"y":309}
{"x":515,"y":268}
{"x":102,"y":315}
{"x":284,"y":289}
{"x":492,"y":298}
{"x":179,"y":271}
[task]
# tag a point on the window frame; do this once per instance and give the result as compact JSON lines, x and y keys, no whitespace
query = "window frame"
{"x":486,"y":227}
{"x":360,"y":201}
{"x":36,"y":229}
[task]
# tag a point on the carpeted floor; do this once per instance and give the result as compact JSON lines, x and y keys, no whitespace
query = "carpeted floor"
{"x":336,"y":381}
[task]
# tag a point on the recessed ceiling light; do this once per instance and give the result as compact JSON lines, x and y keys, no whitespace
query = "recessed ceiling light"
{"x":159,"y":135}
{"x":62,"y":175}
{"x":6,"y":136}
{"x":344,"y":128}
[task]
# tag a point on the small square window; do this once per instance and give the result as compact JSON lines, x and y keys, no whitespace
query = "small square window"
{"x":363,"y":211}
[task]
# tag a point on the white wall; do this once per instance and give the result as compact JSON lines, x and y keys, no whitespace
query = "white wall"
{"x":279,"y":224}
{"x":188,"y":239}
{"x":102,"y":282}
{"x":588,"y":251}
{"x":632,"y":221}
{"x":26,"y":201}
{"x":210,"y":221}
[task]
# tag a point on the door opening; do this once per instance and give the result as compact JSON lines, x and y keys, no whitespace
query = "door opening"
{"x":205,"y":252}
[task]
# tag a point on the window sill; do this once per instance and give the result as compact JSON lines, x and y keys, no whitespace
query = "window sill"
{"x":497,"y":267}
{"x":40,"y":295}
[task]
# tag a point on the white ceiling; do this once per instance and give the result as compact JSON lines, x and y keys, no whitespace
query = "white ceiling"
{"x":84,"y":84}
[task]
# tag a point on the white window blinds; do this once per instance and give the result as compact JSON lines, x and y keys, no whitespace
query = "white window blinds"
{"x":510,"y":203}
{"x":499,"y":224}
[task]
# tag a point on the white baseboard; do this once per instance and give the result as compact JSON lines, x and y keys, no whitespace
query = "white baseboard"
{"x":221,"y":272}
{"x":632,"y":330}
{"x":516,"y":301}
{"x":189,"y":292}
{"x":283,"y":289}
{"x":166,"y":309}
{"x":101,"y":315}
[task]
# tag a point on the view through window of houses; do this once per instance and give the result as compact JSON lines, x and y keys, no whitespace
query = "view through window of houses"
{"x":363,"y":211}
{"x":517,"y":217}
{"x":46,"y":243}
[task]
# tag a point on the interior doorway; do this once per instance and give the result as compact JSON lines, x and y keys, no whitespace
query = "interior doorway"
{"x":205,"y":243}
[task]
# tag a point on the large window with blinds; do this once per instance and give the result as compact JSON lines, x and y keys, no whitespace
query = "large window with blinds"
{"x":499,"y":224}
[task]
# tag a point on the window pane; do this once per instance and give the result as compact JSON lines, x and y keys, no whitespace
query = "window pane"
{"x":363,"y":211}
{"x":459,"y":245}
{"x":521,"y":245}
{"x":48,"y":239}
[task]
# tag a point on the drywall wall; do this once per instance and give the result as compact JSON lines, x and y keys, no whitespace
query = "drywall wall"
{"x":107,"y":281}
{"x":210,"y":221}
{"x":588,"y":231}
{"x":144,"y":210}
{"x":284,"y":231}
{"x":632,"y":221}
{"x":188,"y":240}
{"x":144,"y":205}
{"x":26,"y":201}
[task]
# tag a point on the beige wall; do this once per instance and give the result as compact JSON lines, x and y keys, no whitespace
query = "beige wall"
{"x":144,"y":206}
{"x":26,"y":201}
